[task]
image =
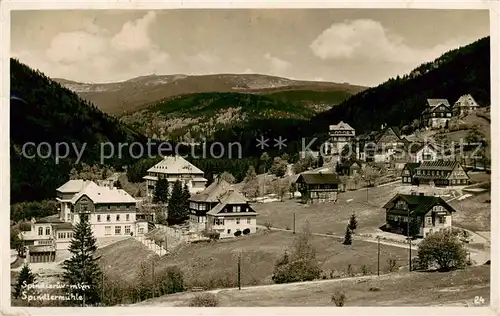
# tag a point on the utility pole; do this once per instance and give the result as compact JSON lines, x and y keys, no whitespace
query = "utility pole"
{"x":239,"y":271}
{"x":294,"y":222}
{"x":409,"y":240}
{"x":378,"y":255}
{"x":153,"y":276}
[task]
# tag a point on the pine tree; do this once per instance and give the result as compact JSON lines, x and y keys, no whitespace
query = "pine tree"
{"x":82,"y":273}
{"x":321,"y":161}
{"x":348,"y":236}
{"x":414,"y":227}
{"x":160,"y":194}
{"x":25,"y":278}
{"x":186,"y":195}
{"x":177,"y":212}
{"x":353,"y":223}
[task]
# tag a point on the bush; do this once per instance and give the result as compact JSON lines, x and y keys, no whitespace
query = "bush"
{"x":204,"y":300}
{"x":268,"y":225}
{"x":172,"y":281}
{"x":442,"y":249}
{"x":392,"y":265}
{"x":374,"y":289}
{"x":350,"y":270}
{"x":213,"y":235}
{"x":237,"y":233}
{"x":365,"y":270}
{"x":338,"y":298}
{"x":246,"y":231}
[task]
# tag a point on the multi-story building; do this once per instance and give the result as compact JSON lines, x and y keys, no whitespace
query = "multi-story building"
{"x":437,"y":114}
{"x":340,"y":135}
{"x":111,"y":212}
{"x":427,"y":214}
{"x":201,"y":203}
{"x":440,"y":172}
{"x":464,"y":104}
{"x":175,"y":168}
{"x":232,"y":216}
{"x":380,"y":146}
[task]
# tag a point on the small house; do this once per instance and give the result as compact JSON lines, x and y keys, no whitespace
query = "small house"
{"x":441,"y":173}
{"x":464,"y":105}
{"x":417,"y":214}
{"x":232,"y":216}
{"x":437,"y":114}
{"x":318,"y":186}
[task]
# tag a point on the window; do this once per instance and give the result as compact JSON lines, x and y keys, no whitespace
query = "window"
{"x":141,"y":230}
{"x":107,"y":230}
{"x":127,"y":230}
{"x":428,"y":221}
{"x":40,"y":231}
{"x":237,"y":221}
{"x":98,"y":218}
{"x":59,"y":235}
{"x":237,"y":209}
{"x":47,"y":230}
{"x":118,"y":230}
{"x":118,"y":217}
{"x":127,"y":217}
{"x":229,"y":231}
{"x":249,"y":220}
{"x":442,"y":220}
{"x":109,"y":207}
{"x":108,"y":218}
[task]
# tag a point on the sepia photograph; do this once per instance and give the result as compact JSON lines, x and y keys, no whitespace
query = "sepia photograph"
{"x":249,"y":157}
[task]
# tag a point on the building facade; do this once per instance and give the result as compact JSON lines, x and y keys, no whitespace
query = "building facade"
{"x":318,"y":187}
{"x":200,"y":204}
{"x":340,"y":135}
{"x":465,"y":104}
{"x":232,"y":216}
{"x":441,"y":173}
{"x":175,"y":168}
{"x":437,"y":114}
{"x":417,"y":214}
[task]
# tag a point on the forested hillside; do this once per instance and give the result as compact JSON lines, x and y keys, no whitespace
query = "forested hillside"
{"x":42,"y":111}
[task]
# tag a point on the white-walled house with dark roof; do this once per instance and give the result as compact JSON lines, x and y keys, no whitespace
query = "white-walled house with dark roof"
{"x":175,"y":168}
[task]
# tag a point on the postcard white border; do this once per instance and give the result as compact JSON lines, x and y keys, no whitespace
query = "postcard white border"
{"x":7,"y":6}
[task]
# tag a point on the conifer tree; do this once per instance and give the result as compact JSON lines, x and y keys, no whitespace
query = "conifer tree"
{"x":353,"y":223}
{"x":160,"y":194}
{"x":82,"y":273}
{"x":348,"y":236}
{"x":25,"y":278}
{"x":177,"y":212}
{"x":186,"y":195}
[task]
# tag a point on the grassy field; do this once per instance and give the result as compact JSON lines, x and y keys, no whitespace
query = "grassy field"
{"x":473,"y":213}
{"x":214,"y":265}
{"x":401,"y":289}
{"x":331,"y":217}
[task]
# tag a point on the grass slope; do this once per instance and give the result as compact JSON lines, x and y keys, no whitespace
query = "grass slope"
{"x":457,"y":288}
{"x":214,"y":265}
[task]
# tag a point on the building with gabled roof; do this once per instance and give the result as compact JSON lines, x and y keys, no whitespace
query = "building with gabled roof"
{"x":464,"y":104}
{"x":418,"y":212}
{"x":201,"y":203}
{"x":437,"y":114}
{"x":175,"y":168}
{"x":341,"y":134}
{"x":232,"y":216}
{"x":441,"y":173}
{"x":318,"y":186}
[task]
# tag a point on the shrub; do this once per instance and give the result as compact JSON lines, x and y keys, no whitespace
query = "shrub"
{"x":204,"y":300}
{"x":237,"y":233}
{"x":172,"y":281}
{"x":268,"y":225}
{"x":213,"y":235}
{"x":392,"y":265}
{"x":365,"y":270}
{"x":350,"y":270}
{"x":374,"y":289}
{"x":338,"y":298}
{"x":444,"y":250}
{"x":246,"y":231}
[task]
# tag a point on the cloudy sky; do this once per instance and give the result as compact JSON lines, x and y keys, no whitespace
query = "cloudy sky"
{"x":363,"y":47}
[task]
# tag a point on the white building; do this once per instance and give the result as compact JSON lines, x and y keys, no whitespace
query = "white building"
{"x":426,"y":152}
{"x":341,"y":135}
{"x":232,"y":214}
{"x":175,"y":168}
{"x":464,"y":104}
{"x":111,"y":212}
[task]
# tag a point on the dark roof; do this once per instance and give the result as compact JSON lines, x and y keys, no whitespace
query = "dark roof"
{"x":350,"y":162}
{"x":63,"y":226}
{"x":318,"y":178}
{"x":213,"y":192}
{"x":411,"y":166}
{"x":50,"y":219}
{"x":381,"y":133}
{"x":447,"y":165}
{"x":419,"y":204}
{"x":232,"y":197}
